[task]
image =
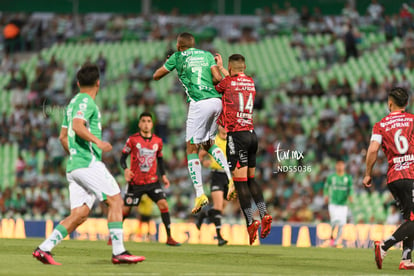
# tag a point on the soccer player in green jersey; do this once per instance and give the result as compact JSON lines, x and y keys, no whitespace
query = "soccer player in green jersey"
{"x":338,"y":190}
{"x":88,"y":177}
{"x":198,"y":72}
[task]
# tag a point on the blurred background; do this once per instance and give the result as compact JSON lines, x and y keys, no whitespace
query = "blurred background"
{"x":322,"y":70}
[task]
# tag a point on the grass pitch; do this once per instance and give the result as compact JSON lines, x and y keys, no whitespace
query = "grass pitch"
{"x":93,"y":258}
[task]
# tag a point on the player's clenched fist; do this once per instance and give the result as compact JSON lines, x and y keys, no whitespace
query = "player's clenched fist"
{"x":367,"y":181}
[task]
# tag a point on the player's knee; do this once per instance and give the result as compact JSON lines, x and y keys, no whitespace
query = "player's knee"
{"x":162,"y":204}
{"x":115,"y":202}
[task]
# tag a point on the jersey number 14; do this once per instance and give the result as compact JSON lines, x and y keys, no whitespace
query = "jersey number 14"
{"x":249,"y":104}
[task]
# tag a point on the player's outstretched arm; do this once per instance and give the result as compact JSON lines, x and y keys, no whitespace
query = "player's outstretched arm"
{"x":372,"y":155}
{"x":78,"y":126}
{"x":63,"y":137}
{"x":160,"y":73}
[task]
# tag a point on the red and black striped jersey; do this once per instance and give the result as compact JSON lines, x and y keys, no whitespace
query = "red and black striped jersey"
{"x":395,"y":133}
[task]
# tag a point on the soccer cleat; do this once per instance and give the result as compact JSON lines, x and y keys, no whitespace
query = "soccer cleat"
{"x":172,"y":242}
{"x":222,"y":242}
{"x":379,"y":254}
{"x":199,"y":202}
{"x":252,"y":230}
{"x":126,"y":258}
{"x":44,"y":257}
{"x":266,"y":226}
{"x":406,"y":265}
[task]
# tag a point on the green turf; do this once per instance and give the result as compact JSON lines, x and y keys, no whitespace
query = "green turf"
{"x":93,"y":258}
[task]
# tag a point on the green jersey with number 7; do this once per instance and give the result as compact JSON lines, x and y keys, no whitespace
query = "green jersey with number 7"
{"x":194,"y":71}
{"x":395,"y":134}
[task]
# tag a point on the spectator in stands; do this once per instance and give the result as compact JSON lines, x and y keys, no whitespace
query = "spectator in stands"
{"x":102,"y":63}
{"x":136,"y":70}
{"x":351,"y":13}
{"x":149,"y":95}
{"x":305,"y":15}
{"x":389,"y":29}
{"x":162,"y":114}
{"x":397,"y":60}
{"x":350,"y":43}
{"x":330,"y":52}
{"x":375,"y":11}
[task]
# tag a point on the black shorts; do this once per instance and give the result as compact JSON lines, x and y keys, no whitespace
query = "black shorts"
{"x":219,"y":182}
{"x":241,"y":149}
{"x":403,"y":192}
{"x":135,"y":192}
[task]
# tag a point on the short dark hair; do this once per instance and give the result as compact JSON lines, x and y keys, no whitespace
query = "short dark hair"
{"x":399,"y":96}
{"x":237,"y":57}
{"x":237,"y":62}
{"x":88,"y":75}
{"x":145,"y":114}
{"x":186,"y":40}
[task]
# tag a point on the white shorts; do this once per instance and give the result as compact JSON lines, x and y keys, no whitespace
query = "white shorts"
{"x":338,"y":214}
{"x":202,"y":118}
{"x":87,"y":184}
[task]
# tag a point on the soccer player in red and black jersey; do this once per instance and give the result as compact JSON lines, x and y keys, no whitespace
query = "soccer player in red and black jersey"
{"x":146,"y":156}
{"x":394,"y":133}
{"x":237,"y":118}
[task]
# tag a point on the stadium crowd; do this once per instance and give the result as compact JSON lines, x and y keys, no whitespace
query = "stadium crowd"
{"x":40,"y":190}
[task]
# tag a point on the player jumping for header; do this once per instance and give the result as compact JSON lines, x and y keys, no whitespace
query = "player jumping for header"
{"x":198,"y":73}
{"x":237,"y":118}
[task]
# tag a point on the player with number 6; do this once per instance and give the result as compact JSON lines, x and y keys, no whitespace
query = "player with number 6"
{"x":394,"y":133}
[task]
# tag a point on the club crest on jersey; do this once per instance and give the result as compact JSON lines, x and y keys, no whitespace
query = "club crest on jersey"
{"x":155,"y":147}
{"x":233,"y":83}
{"x":85,"y":100}
{"x":138,"y":145}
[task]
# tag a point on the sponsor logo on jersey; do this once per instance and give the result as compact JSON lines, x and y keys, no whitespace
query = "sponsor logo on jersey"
{"x":82,"y":106}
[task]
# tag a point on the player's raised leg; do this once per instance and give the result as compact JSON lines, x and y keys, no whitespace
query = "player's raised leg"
{"x":81,"y":202}
{"x":77,"y":216}
{"x":405,"y":230}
